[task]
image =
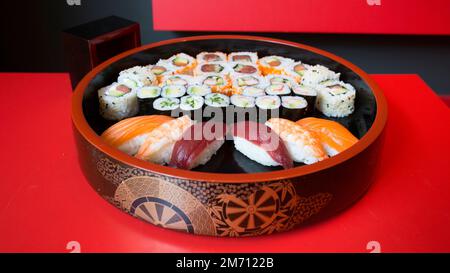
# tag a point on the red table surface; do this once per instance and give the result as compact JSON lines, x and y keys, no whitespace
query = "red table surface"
{"x":47,"y":202}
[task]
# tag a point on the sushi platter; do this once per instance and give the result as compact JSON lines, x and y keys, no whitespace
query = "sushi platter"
{"x":228,"y":133}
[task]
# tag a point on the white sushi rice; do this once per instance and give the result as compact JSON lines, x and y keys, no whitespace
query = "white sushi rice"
{"x":224,"y":68}
{"x":336,"y":99}
{"x":283,"y":79}
{"x":201,"y":56}
{"x":117,"y":108}
{"x":254,"y":152}
{"x":175,"y":68}
{"x":317,"y":74}
{"x":179,"y":80}
{"x":136,"y":77}
{"x":235,"y":66}
{"x":284,"y":62}
{"x":253,"y":57}
{"x":290,"y":71}
{"x":191,"y":102}
{"x":252,"y":91}
{"x":198,"y":90}
{"x":243,"y":101}
{"x":241,"y":82}
{"x":303,"y":90}
{"x":161,"y":63}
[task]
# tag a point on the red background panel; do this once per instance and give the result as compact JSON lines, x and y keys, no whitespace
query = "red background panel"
{"x":316,"y":16}
{"x":47,"y":203}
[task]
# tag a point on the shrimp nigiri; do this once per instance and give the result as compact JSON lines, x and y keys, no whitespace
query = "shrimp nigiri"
{"x":129,"y":134}
{"x":334,"y":137}
{"x":261,"y":144}
{"x":303,"y":145}
{"x":158,"y":145}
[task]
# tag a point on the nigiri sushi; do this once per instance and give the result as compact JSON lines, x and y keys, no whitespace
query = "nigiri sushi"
{"x":261,"y":144}
{"x":303,"y":145}
{"x":158,"y":145}
{"x":198,"y":144}
{"x":129,"y":134}
{"x":334,"y":137}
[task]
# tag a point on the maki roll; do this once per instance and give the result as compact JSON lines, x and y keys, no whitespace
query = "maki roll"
{"x":318,"y":74}
{"x":211,"y":57}
{"x":191,"y":105}
{"x":244,"y":108}
{"x":198,"y":90}
{"x":241,"y":82}
{"x":336,"y":99}
{"x":244,"y":69}
{"x":293,"y":107}
{"x":211,"y":67}
{"x":146,"y":96}
{"x":243,"y":57}
{"x":173,"y":91}
{"x":268,"y":107}
{"x":165,"y":106}
{"x":252,"y":91}
{"x":117,"y":102}
{"x":136,"y":77}
{"x":182,"y":64}
{"x":216,"y":106}
{"x":218,"y":83}
{"x":178,"y":80}
{"x":280,"y":79}
{"x":297,"y":70}
{"x":278,"y":89}
{"x":274,"y":65}
{"x":161,"y":69}
{"x":242,"y":101}
{"x":309,"y":94}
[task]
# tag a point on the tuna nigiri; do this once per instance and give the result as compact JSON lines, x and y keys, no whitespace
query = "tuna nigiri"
{"x":261,"y":144}
{"x":129,"y":134}
{"x":158,"y":145}
{"x":334,"y":137}
{"x":198,"y":144}
{"x":303,"y":145}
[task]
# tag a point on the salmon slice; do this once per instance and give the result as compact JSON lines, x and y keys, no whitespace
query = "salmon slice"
{"x":334,"y":137}
{"x":128,"y":135}
{"x":158,"y":145}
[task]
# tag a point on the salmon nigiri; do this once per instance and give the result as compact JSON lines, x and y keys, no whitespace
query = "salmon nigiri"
{"x":302,"y":144}
{"x":129,"y":134}
{"x":158,"y":145}
{"x":334,"y":137}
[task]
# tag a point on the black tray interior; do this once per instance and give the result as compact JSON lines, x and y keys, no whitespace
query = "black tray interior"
{"x":227,"y":159}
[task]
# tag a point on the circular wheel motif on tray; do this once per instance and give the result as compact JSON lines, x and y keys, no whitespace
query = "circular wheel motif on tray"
{"x":164,"y":204}
{"x":257,"y":212}
{"x":161,"y":213}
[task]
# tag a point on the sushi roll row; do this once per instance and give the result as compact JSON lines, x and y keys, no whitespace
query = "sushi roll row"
{"x":237,"y":73}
